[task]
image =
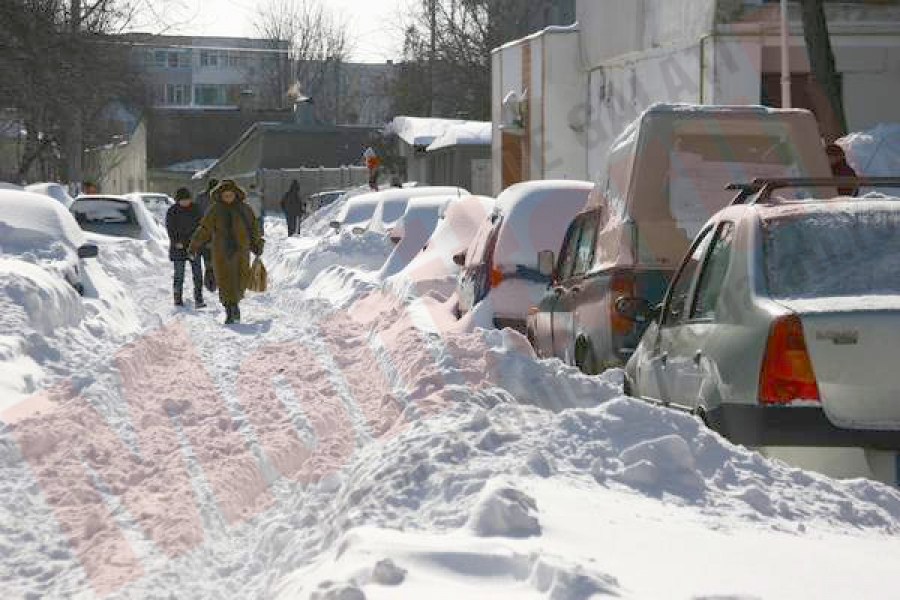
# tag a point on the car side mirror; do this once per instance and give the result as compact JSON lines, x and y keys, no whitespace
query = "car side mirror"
{"x":336,"y":225}
{"x":546,"y":263}
{"x":459,"y":259}
{"x":88,"y":251}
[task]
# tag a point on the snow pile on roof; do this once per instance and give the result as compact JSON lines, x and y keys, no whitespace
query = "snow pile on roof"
{"x":421,"y":131}
{"x":875,"y":153}
{"x":471,"y":133}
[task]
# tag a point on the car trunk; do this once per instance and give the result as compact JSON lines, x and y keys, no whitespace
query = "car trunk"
{"x":854,"y":358}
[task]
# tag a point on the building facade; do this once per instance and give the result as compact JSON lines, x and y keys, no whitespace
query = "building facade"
{"x":561,"y":98}
{"x":212,"y":72}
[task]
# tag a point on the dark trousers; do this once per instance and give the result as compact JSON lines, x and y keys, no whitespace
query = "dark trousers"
{"x":196,"y":273}
{"x":293,"y":222}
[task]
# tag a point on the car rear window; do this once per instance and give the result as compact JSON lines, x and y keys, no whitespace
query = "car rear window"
{"x":393,"y":210}
{"x":839,"y":253}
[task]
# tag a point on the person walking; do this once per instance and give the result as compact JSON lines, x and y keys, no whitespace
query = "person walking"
{"x":182,"y":220}
{"x":230,"y":227}
{"x":203,"y":202}
{"x":292,"y":204}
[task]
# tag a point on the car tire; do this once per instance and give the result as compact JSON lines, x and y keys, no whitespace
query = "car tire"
{"x":584,"y":357}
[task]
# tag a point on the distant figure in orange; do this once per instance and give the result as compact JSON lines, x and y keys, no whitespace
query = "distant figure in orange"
{"x":372,"y":163}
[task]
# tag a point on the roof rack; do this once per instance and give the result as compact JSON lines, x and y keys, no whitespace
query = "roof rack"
{"x":760,"y":189}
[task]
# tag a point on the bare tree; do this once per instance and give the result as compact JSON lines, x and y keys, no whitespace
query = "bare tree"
{"x":821,"y":60}
{"x":447,"y":53}
{"x":316,"y":41}
{"x":61,"y":68}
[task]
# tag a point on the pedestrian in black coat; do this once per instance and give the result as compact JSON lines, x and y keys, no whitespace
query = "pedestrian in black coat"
{"x":292,"y":204}
{"x":182,"y":221}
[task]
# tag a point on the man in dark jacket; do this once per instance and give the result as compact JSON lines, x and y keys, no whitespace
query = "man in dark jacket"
{"x":292,"y":204}
{"x":182,"y":221}
{"x":203,"y":257}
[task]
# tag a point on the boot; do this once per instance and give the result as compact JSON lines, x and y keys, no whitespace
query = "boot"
{"x":229,"y":314}
{"x":198,"y":300}
{"x":179,"y":301}
{"x":237,"y":313}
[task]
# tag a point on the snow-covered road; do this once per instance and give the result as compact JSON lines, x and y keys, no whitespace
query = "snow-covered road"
{"x":342,"y":444}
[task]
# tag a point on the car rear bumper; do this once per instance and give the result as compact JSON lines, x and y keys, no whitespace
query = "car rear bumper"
{"x":807,"y":426}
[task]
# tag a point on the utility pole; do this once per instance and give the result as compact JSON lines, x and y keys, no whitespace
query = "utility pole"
{"x":785,"y":57}
{"x":431,"y":56}
{"x":76,"y":141}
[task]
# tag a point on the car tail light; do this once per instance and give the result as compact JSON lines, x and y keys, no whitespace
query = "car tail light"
{"x":620,"y":286}
{"x":496,"y":277}
{"x":787,"y":374}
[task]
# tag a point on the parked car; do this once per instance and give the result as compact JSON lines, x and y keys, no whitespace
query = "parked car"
{"x":433,"y":270}
{"x":780,"y":326}
{"x":378,"y":211}
{"x":118,"y":216}
{"x":666,"y":175}
{"x":412,"y":231}
{"x":54,"y":190}
{"x":501,"y":263}
{"x":35,"y":226}
{"x":394,"y":201}
{"x":322,"y":199}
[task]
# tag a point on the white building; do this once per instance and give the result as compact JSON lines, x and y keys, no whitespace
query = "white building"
{"x":578,"y":88}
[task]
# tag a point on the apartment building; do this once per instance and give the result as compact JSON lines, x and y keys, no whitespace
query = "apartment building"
{"x":212,"y":72}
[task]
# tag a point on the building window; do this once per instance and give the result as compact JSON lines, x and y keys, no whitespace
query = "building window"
{"x":209,"y":58}
{"x":177,"y":94}
{"x":159,"y":58}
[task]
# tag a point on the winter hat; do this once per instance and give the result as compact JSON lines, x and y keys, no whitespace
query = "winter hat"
{"x":228,"y":184}
{"x":182,"y":194}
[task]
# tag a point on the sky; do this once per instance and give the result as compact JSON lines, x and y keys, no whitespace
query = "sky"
{"x":375,"y":24}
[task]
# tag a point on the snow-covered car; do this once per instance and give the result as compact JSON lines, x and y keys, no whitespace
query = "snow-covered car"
{"x":780,"y":327}
{"x":322,"y":199}
{"x":394,"y":201}
{"x":413,"y":230}
{"x":379,"y":211}
{"x":666,"y":175}
{"x":36,"y":228}
{"x":501,"y":263}
{"x":5,"y":185}
{"x":54,"y":190}
{"x":433,"y":268}
{"x":118,"y":216}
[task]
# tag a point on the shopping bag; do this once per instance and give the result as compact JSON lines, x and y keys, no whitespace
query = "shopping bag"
{"x":209,"y":279}
{"x":258,"y":276}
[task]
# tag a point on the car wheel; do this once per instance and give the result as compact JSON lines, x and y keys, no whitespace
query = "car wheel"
{"x":584,"y":357}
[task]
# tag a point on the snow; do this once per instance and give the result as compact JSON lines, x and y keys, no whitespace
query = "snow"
{"x":875,"y":153}
{"x":54,"y":190}
{"x":346,"y":441}
{"x":472,"y":133}
{"x":421,"y":131}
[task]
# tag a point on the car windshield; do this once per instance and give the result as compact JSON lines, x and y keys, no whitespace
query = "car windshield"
{"x":360,"y":213}
{"x":834,"y":253}
{"x":393,"y":210}
{"x":107,"y":216}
